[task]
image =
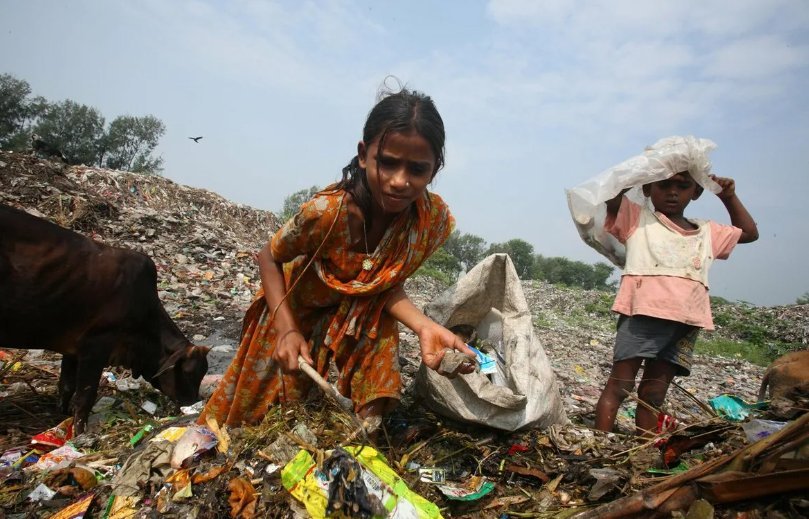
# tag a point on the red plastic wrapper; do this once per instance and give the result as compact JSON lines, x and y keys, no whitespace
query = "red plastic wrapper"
{"x":666,"y":423}
{"x":55,"y":436}
{"x":517,"y":447}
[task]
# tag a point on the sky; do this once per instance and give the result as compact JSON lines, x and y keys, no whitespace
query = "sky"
{"x":536,"y":97}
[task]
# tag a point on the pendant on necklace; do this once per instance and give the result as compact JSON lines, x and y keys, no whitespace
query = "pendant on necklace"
{"x":367,"y":264}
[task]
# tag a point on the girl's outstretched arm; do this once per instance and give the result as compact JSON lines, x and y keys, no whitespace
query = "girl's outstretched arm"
{"x":434,"y":339}
{"x":291,"y":341}
{"x":739,"y":216}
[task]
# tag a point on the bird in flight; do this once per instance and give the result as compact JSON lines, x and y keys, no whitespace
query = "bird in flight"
{"x":196,"y":139}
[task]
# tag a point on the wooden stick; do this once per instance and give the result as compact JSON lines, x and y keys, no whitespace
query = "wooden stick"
{"x":702,"y":405}
{"x":342,"y":401}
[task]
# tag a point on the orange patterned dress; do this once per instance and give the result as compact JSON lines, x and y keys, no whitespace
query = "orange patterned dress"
{"x":338,"y":307}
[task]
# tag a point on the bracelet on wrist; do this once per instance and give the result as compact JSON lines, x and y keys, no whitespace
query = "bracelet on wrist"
{"x":283,"y":335}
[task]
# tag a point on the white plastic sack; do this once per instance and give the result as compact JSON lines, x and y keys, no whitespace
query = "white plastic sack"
{"x":664,"y":159}
{"x":490,"y":298}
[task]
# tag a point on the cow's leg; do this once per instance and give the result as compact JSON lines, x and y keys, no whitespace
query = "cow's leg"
{"x":91,"y":361}
{"x":67,"y":381}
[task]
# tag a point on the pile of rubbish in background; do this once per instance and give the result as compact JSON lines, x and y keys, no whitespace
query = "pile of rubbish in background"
{"x":717,"y":451}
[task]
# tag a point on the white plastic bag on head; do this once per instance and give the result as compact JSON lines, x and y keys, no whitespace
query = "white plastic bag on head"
{"x":664,"y":159}
{"x":490,"y":298}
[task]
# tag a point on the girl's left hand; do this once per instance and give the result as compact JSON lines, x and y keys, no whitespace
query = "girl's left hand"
{"x":435,"y":340}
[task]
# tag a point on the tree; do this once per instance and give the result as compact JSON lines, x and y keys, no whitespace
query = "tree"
{"x":442,"y":266}
{"x":572,"y":273}
{"x":129,"y":142}
{"x":13,"y":106}
{"x":803,"y":300}
{"x":468,"y":249}
{"x":521,"y":253}
{"x":74,"y":129}
{"x":16,"y":112}
{"x":294,"y":201}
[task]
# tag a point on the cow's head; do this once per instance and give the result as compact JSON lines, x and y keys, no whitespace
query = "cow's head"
{"x":181,"y":373}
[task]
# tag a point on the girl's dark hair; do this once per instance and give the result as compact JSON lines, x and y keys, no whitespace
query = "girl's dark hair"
{"x":401,"y":112}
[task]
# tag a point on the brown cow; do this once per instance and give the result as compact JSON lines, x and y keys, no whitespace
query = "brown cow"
{"x":785,"y":373}
{"x":95,"y":304}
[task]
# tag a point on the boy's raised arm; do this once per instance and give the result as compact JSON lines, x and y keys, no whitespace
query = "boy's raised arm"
{"x":613,"y":204}
{"x":739,"y":216}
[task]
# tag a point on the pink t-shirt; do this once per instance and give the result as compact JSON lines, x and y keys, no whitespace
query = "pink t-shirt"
{"x":667,"y":297}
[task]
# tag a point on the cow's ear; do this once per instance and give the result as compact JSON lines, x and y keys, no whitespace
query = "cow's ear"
{"x":168,"y":363}
{"x":203,"y":350}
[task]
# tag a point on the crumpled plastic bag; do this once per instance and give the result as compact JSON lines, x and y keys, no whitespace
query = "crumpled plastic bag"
{"x":664,"y":159}
{"x":733,"y":408}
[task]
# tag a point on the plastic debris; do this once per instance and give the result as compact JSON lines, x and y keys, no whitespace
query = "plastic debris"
{"x":138,"y":436}
{"x":475,"y":488}
{"x":55,"y":436}
{"x":733,"y":408}
{"x":57,"y":458}
{"x":193,"y":408}
{"x":149,"y":406}
{"x":195,"y":441}
{"x":18,"y":457}
{"x":127,"y":384}
{"x":757,"y":429}
{"x":41,"y":493}
{"x":310,"y":486}
{"x":432,"y":475}
{"x":170,"y":434}
{"x":487,"y":364}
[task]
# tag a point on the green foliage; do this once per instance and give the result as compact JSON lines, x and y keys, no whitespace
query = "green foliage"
{"x":14,"y":108}
{"x":572,"y":273}
{"x":803,"y":300}
{"x":521,"y":253}
{"x":74,"y":129}
{"x":17,"y":112}
{"x":601,"y":306}
{"x":444,"y":263}
{"x":734,"y":349}
{"x":129,"y":143}
{"x":467,"y":249}
{"x":293,"y":202}
{"x":77,"y":130}
{"x":433,"y":273}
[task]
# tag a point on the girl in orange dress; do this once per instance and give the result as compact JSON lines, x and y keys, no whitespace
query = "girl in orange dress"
{"x":333,"y":275}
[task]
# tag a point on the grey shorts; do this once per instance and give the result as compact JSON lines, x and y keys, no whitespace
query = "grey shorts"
{"x":653,"y":338}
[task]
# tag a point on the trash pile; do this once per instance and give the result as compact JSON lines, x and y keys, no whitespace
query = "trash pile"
{"x":717,"y":451}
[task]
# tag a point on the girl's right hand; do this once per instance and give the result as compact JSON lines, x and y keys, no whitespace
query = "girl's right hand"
{"x":728,"y":186}
{"x":289,"y":345}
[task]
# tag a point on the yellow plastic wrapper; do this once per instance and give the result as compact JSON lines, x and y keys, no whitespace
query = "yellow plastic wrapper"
{"x":306,"y":483}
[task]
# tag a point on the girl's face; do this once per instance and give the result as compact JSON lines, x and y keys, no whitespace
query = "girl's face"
{"x":672,"y":195}
{"x":399,"y":173}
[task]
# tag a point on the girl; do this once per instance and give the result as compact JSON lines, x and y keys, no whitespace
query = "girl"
{"x":333,"y":275}
{"x":663,"y":297}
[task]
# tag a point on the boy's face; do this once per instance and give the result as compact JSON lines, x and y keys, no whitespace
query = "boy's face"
{"x":671,"y":196}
